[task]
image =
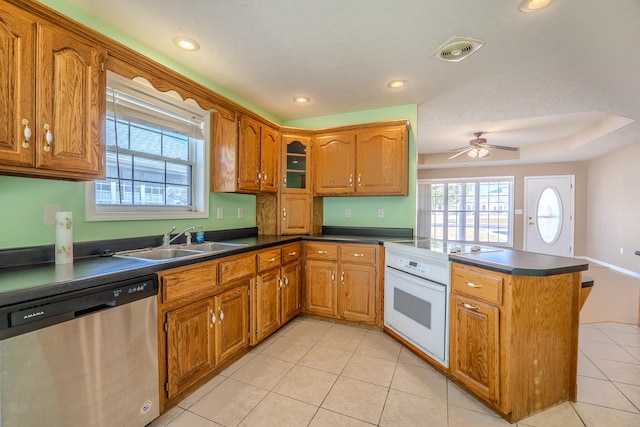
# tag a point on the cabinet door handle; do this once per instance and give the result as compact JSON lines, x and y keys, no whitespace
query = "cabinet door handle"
{"x":27,"y":133}
{"x":358,"y":255}
{"x":271,"y":259}
{"x":286,"y":281}
{"x":221,"y":314}
{"x":342,"y":277}
{"x":359,"y":180}
{"x":333,"y":276}
{"x":264,"y":177}
{"x":259,"y":178}
{"x":284,"y":181}
{"x":292,"y":253}
{"x":280,"y":282}
{"x":351,"y":179}
{"x":213,"y":318}
{"x":284,"y":213}
{"x":470,"y":306}
{"x":48,"y":137}
{"x":322,"y":252}
{"x":473,"y":285}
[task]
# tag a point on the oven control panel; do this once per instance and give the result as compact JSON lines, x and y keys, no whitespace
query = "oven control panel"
{"x":415,"y":267}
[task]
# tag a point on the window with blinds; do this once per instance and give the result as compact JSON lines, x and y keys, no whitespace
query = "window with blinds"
{"x":472,"y":210}
{"x":155,"y":154}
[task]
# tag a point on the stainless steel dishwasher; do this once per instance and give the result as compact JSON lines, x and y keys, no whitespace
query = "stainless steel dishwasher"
{"x":86,"y":358}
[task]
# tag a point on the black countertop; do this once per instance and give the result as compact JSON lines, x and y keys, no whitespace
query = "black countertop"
{"x":25,"y":283}
{"x":519,"y":263}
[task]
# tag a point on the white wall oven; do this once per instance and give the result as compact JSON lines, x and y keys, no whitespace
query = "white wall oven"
{"x":416,"y":292}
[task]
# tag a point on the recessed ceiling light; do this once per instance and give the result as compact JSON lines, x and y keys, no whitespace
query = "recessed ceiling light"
{"x":533,"y":5}
{"x":301,"y":100}
{"x":397,"y":84}
{"x":186,"y":43}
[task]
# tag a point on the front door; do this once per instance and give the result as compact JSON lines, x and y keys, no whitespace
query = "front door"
{"x":549,"y":206}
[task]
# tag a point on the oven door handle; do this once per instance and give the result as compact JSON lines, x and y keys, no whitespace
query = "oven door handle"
{"x":420,"y":281}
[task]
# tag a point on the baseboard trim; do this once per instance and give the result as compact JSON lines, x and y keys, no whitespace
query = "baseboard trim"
{"x":611,"y":266}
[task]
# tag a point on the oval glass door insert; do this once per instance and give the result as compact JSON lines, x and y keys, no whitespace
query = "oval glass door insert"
{"x":549,"y":215}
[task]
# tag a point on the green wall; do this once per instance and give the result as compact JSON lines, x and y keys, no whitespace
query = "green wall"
{"x":22,"y":200}
{"x":398,"y":211}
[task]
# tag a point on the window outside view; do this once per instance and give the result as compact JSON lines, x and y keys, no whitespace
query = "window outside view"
{"x":475,"y":211}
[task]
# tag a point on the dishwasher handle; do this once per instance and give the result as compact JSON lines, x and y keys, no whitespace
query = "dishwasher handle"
{"x":29,"y":316}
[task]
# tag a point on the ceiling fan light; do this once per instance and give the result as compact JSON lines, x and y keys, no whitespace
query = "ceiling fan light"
{"x":483,"y":152}
{"x":473,"y":152}
{"x":533,"y":5}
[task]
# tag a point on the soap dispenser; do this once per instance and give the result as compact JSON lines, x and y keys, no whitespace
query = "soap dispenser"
{"x":199,"y":234}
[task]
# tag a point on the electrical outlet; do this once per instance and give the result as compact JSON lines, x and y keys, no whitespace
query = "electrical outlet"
{"x":50,"y":214}
{"x":380,"y":213}
{"x":220,"y":213}
{"x":240,"y":213}
{"x":347,"y":213}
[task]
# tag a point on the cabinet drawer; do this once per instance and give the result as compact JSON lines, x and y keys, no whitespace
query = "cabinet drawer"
{"x":290,"y":253}
{"x":321,"y":250}
{"x":237,"y":267}
{"x":363,"y":254}
{"x":477,"y":283}
{"x":268,"y":259}
{"x":181,"y":282}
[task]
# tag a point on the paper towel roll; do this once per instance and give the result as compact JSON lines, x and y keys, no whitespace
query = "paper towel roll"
{"x":64,"y":237}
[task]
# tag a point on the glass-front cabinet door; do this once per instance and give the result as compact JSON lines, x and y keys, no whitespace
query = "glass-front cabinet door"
{"x":295,"y":176}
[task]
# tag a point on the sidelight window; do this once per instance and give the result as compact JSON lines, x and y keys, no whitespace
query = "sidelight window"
{"x":475,"y":210}
{"x":156,"y":165}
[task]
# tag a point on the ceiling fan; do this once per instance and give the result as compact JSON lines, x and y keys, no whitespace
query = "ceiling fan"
{"x":479,"y":148}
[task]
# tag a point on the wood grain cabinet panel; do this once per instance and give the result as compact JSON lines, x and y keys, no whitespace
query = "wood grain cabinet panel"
{"x":290,"y":293}
{"x":53,"y":82}
{"x":514,"y":339}
{"x":232,"y":327}
{"x":370,"y":160}
{"x":474,"y":350}
{"x":342,"y":281}
{"x":245,"y":154}
{"x":190,"y":345}
{"x":267,"y":303}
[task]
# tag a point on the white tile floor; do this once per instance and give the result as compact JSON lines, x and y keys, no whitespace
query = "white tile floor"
{"x":318,"y":373}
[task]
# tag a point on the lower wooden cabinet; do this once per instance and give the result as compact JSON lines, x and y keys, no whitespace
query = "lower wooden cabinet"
{"x":276,"y":295}
{"x":474,"y":349}
{"x":202,"y":323}
{"x":232,"y":322}
{"x":190,"y":345}
{"x":341,"y":281}
{"x":514,"y":339}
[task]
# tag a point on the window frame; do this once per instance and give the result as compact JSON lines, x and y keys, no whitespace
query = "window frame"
{"x":424,"y":210}
{"x":200,"y":200}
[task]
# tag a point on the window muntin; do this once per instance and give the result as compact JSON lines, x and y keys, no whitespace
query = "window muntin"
{"x":156,"y":162}
{"x":476,"y":210}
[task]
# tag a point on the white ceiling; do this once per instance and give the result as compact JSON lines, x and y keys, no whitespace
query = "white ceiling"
{"x":562,"y":83}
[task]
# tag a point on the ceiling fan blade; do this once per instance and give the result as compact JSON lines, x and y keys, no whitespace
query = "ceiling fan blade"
{"x":501,"y":147}
{"x":460,"y":153}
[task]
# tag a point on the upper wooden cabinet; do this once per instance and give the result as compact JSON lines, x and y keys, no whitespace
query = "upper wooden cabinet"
{"x":296,"y":151}
{"x":334,"y":163}
{"x":245,"y":154}
{"x":52,"y":87}
{"x":370,"y":160}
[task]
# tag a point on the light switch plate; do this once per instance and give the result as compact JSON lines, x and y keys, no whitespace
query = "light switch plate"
{"x":50,"y":214}
{"x":220,"y":213}
{"x":347,"y":213}
{"x":380,"y":213}
{"x":240,"y":213}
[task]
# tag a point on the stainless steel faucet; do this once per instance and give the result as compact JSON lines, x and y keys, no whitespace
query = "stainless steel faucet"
{"x":166,"y":238}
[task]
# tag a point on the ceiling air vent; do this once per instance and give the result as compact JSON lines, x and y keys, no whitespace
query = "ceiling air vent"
{"x":457,"y":48}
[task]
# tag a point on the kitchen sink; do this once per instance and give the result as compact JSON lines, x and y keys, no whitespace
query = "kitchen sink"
{"x":165,"y":253}
{"x":214,"y":246}
{"x":160,"y":254}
